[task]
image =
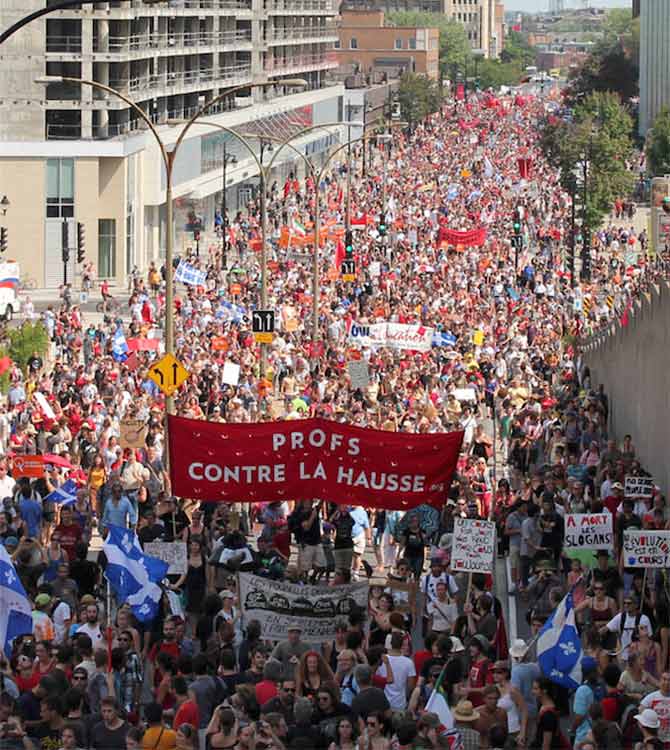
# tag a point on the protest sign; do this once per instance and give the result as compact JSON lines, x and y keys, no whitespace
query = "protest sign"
{"x":646,"y":549}
{"x":392,"y":335}
{"x":231,"y":373}
{"x":465,"y":394}
{"x":133,"y":433}
{"x":310,"y":458}
{"x":639,"y":487}
{"x":589,"y":531}
{"x":473,"y":547}
{"x":278,"y":606}
{"x":173,"y":553}
{"x":358,"y":372}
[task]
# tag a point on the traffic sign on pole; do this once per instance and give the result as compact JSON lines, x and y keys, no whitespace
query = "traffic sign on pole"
{"x":263,"y":325}
{"x":169,"y":374}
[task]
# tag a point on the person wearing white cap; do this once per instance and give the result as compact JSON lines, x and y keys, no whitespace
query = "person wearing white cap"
{"x":649,"y":724}
{"x":524,"y":673}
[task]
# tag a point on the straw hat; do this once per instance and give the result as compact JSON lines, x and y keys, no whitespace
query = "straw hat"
{"x":465,"y":712}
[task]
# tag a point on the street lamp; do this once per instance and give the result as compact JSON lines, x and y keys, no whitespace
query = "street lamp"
{"x":4,"y":205}
{"x":232,"y":159}
{"x":169,"y":158}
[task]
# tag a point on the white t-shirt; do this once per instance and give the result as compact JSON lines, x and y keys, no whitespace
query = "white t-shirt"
{"x":94,"y":632}
{"x":60,"y":616}
{"x":614,"y":626}
{"x":661,"y":704}
{"x":396,"y":692}
{"x":429,"y":582}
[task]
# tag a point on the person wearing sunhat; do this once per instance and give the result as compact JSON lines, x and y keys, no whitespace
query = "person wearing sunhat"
{"x":649,"y":723}
{"x":465,"y":716}
{"x":43,"y":627}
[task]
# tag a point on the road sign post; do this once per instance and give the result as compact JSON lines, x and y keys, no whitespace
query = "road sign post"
{"x":169,"y":374}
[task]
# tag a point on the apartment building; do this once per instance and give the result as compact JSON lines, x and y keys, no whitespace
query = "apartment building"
{"x":366,"y":45}
{"x":482,"y":19}
{"x":654,"y":61}
{"x":73,"y":153}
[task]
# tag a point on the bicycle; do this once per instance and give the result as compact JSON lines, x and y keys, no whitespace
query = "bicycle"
{"x":108,"y":305}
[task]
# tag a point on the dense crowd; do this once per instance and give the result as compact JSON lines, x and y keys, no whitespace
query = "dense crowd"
{"x":536,"y":447}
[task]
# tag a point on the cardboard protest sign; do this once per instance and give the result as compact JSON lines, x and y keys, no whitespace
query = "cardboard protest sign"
{"x":278,"y":605}
{"x":639,"y":487}
{"x":473,"y":549}
{"x":173,"y":553}
{"x":231,"y":373}
{"x":646,"y":549}
{"x":589,"y":531}
{"x":133,"y":433}
{"x":358,"y":372}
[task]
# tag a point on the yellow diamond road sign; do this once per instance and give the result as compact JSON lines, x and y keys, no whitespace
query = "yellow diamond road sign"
{"x":168,"y":374}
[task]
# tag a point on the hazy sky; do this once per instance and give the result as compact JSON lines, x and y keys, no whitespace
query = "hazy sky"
{"x":543,"y":5}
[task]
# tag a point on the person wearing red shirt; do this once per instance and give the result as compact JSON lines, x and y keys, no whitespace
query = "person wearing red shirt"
{"x":187,"y":709}
{"x":167,"y":645}
{"x":613,"y":501}
{"x":267,"y":689}
{"x":480,"y":670}
{"x":69,"y":531}
{"x":27,"y":677}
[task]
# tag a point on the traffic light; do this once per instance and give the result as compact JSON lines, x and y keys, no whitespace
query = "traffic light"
{"x":196,"y":235}
{"x":348,"y":244}
{"x":81,"y":242}
{"x":66,"y":255}
{"x":381,"y":226}
{"x":666,"y":205}
{"x":3,"y":239}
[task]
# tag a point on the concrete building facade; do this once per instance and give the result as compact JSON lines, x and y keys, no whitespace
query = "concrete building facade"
{"x":366,"y":45}
{"x":70,"y":153}
{"x":654,"y":61}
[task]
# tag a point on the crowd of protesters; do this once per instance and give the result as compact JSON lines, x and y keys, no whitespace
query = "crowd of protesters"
{"x":200,"y":675}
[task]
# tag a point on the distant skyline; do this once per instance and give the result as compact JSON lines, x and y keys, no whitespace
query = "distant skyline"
{"x":538,"y":6}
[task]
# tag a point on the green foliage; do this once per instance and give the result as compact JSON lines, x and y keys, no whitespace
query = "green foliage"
{"x":614,"y":63}
{"x":658,"y":144}
{"x":418,"y":97}
{"x":600,"y":135}
{"x":517,"y":50}
{"x":454,"y":44}
{"x":23,"y":341}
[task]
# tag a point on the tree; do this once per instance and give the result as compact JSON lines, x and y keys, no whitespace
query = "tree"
{"x":614,"y":63}
{"x":517,"y":50}
{"x":455,"y":53}
{"x":595,"y":145}
{"x":23,"y":341}
{"x":418,"y":96}
{"x":658,"y":144}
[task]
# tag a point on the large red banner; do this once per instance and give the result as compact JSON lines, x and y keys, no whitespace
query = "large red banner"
{"x":308,"y":459}
{"x":469,"y":238}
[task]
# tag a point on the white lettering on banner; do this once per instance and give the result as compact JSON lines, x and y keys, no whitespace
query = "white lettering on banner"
{"x":646,"y":549}
{"x":639,"y":487}
{"x":173,"y":553}
{"x":317,"y":439}
{"x":589,"y":531}
{"x":392,"y":335}
{"x":278,"y":606}
{"x":473,"y":547}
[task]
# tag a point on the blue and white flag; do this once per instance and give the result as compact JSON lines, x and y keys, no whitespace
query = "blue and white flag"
{"x":16,"y":616}
{"x":443,"y":338}
{"x":66,"y":494}
{"x":119,"y":345}
{"x":188,"y":274}
{"x":229,"y":311}
{"x":133,"y":575}
{"x":559,"y":647}
{"x":514,"y":295}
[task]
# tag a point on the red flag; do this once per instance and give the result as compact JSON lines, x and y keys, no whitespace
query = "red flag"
{"x":339,"y":252}
{"x":460,"y":92}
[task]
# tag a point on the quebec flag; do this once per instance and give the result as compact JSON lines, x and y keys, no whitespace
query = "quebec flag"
{"x":133,"y":575}
{"x":16,"y":616}
{"x":66,"y":494}
{"x":119,"y":345}
{"x":559,"y":647}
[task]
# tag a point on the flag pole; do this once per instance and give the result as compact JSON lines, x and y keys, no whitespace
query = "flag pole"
{"x":109,"y":627}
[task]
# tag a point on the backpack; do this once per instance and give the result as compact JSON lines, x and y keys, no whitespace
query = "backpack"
{"x":636,"y":626}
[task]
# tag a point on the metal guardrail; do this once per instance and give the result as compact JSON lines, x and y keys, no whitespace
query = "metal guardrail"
{"x":141,"y":42}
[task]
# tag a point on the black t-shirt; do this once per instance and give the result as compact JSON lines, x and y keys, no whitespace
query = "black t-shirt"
{"x":85,"y":573}
{"x":108,"y":739}
{"x":180,"y":523}
{"x":148,"y":534}
{"x":547,"y":722}
{"x":413,"y":542}
{"x":369,"y":700}
{"x":344,"y":525}
{"x":44,"y":737}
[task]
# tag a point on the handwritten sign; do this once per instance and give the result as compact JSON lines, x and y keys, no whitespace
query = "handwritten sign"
{"x":473,"y":549}
{"x":589,"y":531}
{"x":133,"y":433}
{"x":173,"y":553}
{"x":646,"y":549}
{"x":314,"y":609}
{"x":639,"y":487}
{"x":358,"y":372}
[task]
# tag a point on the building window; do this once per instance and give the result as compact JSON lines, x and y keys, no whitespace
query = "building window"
{"x":412,"y":43}
{"x":337,"y":44}
{"x":398,"y":43}
{"x":353,"y":43}
{"x":106,"y":248}
{"x":60,"y":188}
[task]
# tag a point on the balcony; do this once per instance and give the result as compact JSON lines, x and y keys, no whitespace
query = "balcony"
{"x":298,"y":34}
{"x":63,"y":44}
{"x":205,"y":78}
{"x":145,"y":45}
{"x":299,"y":7}
{"x":299,"y":64}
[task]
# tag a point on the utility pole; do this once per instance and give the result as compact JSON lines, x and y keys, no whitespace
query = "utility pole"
{"x":65,"y":247}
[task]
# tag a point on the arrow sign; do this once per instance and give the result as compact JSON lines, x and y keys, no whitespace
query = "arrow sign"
{"x":169,"y":374}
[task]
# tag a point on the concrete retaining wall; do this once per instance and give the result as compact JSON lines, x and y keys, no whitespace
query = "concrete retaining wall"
{"x":634,"y":366}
